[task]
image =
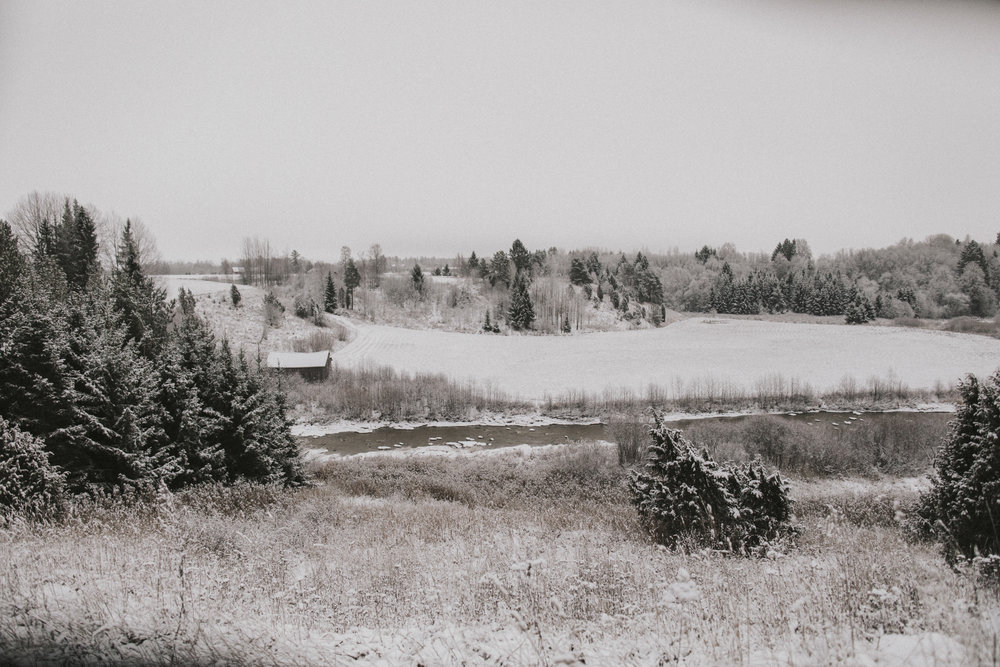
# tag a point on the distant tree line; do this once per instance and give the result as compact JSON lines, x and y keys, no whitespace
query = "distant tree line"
{"x":939,"y":277}
{"x":117,"y":387}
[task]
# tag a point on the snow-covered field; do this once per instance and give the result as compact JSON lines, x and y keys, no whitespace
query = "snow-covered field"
{"x":691,"y":355}
{"x":199,"y":285}
{"x":244,"y":327}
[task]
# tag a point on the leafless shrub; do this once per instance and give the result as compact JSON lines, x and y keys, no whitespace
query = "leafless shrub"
{"x":631,"y":433}
{"x":317,"y":341}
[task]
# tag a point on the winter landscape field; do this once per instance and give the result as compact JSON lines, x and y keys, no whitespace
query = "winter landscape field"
{"x":696,"y":354}
{"x":504,"y":333}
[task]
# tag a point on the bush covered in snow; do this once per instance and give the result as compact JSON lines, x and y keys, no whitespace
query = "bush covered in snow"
{"x":305,"y":306}
{"x":28,"y":482}
{"x":684,"y":495}
{"x":963,"y":505}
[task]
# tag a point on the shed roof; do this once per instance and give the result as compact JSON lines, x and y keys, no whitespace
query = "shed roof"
{"x":297,"y":359}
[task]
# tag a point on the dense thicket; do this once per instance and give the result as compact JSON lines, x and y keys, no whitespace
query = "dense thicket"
{"x":120,"y":387}
{"x":963,"y":506}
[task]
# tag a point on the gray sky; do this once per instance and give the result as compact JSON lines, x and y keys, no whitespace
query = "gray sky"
{"x":442,"y":127}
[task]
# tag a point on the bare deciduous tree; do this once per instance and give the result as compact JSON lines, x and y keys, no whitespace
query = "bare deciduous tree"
{"x":374,"y":265}
{"x":31,"y":211}
{"x":109,"y":230}
{"x":260,"y":266}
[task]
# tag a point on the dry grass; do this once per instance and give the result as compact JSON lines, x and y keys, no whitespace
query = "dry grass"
{"x":771,"y":393}
{"x":970,"y":325}
{"x":473,"y":560}
{"x":381,"y":393}
{"x":893,"y":443}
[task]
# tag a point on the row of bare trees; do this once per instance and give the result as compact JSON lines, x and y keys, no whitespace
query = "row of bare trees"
{"x":30,"y":214}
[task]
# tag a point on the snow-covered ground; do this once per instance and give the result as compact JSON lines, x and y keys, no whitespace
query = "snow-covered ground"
{"x":698,"y":355}
{"x":244,"y":327}
{"x":694,"y":355}
{"x":199,"y":285}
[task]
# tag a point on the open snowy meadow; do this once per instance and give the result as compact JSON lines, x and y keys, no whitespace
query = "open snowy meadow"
{"x":692,"y":356}
{"x":689,"y":355}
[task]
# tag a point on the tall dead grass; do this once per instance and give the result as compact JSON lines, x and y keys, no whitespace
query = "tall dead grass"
{"x":529,"y":563}
{"x":885,"y":444}
{"x":770,"y":393}
{"x":382,"y":393}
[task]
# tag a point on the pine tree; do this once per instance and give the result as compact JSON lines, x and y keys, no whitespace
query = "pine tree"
{"x":234,"y":296}
{"x":499,"y":270}
{"x":972,"y":253}
{"x":329,"y":295}
{"x":137,"y":301}
{"x":521,"y":313}
{"x":520,"y":257}
{"x":85,"y":245}
{"x":963,"y":504}
{"x":578,"y":274}
{"x":352,"y":279}
{"x":417,"y":279}
{"x":12,"y":264}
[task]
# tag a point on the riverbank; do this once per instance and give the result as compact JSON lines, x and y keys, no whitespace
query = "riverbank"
{"x":312,"y":427}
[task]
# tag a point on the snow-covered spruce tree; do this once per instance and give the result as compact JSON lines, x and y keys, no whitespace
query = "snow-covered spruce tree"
{"x":963,"y":506}
{"x":120,"y":399}
{"x":859,"y":310}
{"x":521,"y":313}
{"x":139,"y":305}
{"x":417,"y":279}
{"x":683,"y":496}
{"x":329,"y":295}
{"x":235,"y":296}
{"x":29,"y":484}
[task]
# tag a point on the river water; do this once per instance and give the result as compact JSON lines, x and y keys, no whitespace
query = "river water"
{"x":472,"y":436}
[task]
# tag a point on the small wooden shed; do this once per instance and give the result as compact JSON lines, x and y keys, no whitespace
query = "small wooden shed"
{"x":312,"y":366}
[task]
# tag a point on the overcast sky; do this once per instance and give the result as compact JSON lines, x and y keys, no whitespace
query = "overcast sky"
{"x":443,"y":127}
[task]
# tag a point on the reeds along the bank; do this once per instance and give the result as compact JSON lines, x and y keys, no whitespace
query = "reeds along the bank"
{"x":772,"y":392}
{"x":896,"y":444}
{"x":379,"y":392}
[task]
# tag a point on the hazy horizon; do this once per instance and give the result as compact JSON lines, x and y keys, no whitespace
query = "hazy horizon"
{"x":439,"y":128}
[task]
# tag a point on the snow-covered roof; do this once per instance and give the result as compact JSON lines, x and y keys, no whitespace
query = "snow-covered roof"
{"x":297,"y":359}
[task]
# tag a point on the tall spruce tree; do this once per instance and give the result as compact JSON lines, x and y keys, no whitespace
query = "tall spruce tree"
{"x":963,"y":505}
{"x":521,"y":313}
{"x":352,"y":279}
{"x":136,"y":299}
{"x":12,"y":264}
{"x":329,"y":294}
{"x":417,"y":279}
{"x":499,"y":269}
{"x":520,"y":257}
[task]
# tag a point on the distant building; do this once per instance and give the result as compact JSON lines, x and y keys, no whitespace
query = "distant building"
{"x":312,"y":366}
